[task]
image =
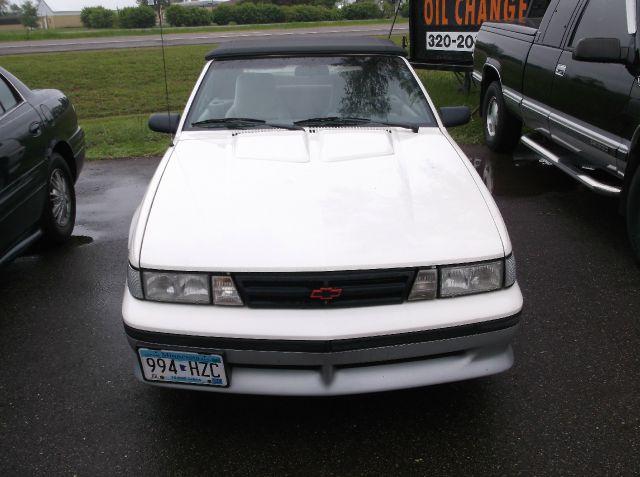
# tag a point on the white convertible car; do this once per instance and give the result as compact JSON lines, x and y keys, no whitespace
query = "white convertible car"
{"x":314,"y":230}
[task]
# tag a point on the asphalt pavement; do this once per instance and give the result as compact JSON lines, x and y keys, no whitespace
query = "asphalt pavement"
{"x":200,"y":38}
{"x":69,"y":404}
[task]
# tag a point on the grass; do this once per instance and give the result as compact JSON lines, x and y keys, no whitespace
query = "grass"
{"x":122,"y":136}
{"x":445,"y":90}
{"x":115,"y":90}
{"x":72,"y":33}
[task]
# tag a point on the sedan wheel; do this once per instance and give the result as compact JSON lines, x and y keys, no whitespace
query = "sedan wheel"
{"x":60,"y":198}
{"x":59,"y":214}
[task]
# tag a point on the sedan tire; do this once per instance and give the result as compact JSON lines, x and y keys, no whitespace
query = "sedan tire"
{"x":59,"y":214}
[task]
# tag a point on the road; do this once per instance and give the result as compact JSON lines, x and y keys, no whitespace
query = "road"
{"x":69,"y":404}
{"x":84,"y":44}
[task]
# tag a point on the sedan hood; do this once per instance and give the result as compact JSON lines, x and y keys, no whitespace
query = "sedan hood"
{"x":325,"y":199}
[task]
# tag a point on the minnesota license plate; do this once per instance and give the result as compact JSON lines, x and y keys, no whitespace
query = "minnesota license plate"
{"x":184,"y":368}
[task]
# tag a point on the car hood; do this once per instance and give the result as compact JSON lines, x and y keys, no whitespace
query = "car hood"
{"x":325,"y":199}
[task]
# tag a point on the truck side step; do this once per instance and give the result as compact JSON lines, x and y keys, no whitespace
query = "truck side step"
{"x":532,"y":142}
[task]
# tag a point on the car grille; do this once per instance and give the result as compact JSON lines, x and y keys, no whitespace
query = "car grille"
{"x":325,"y":290}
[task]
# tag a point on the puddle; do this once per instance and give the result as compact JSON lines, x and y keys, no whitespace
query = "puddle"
{"x":78,"y":240}
{"x":520,"y":176}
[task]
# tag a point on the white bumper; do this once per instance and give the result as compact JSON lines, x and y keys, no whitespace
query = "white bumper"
{"x":319,"y":324}
{"x":336,"y":351}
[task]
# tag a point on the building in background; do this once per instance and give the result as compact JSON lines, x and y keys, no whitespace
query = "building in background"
{"x":66,"y":13}
{"x":10,"y":23}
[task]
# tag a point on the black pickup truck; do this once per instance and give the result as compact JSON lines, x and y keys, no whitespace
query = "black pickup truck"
{"x":572,"y":78}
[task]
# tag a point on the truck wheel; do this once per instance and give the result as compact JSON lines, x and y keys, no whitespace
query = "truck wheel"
{"x":59,"y":214}
{"x":633,"y":214}
{"x":502,"y":129}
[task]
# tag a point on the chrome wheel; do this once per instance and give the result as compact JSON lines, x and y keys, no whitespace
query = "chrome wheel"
{"x":492,"y":116}
{"x":60,"y":198}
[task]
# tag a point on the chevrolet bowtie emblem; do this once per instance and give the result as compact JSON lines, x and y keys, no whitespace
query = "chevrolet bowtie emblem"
{"x":326,"y":294}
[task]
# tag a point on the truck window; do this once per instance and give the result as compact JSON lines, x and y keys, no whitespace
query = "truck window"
{"x":602,"y":19}
{"x":537,"y":8}
{"x":563,"y":11}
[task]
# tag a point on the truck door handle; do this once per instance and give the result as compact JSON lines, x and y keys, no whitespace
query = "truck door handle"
{"x":561,"y":69}
{"x":35,"y":129}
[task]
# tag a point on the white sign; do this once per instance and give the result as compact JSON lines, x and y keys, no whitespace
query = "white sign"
{"x":451,"y":40}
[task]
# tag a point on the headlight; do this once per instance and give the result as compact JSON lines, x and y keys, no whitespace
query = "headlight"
{"x":425,"y":286}
{"x":467,"y":279}
{"x":134,"y":283}
{"x":225,"y":292}
{"x":449,"y":281}
{"x":176,"y":287}
{"x":509,"y":271}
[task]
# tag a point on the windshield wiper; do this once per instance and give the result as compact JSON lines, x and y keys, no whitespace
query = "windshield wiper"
{"x":351,"y":121}
{"x":242,"y":123}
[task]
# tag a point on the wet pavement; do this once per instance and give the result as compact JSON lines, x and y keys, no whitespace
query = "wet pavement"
{"x":69,"y":404}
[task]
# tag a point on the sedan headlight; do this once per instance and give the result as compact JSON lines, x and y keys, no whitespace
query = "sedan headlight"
{"x":468,"y":279}
{"x":176,"y":287}
{"x":509,"y":271}
{"x":458,"y":280}
{"x":225,"y":292}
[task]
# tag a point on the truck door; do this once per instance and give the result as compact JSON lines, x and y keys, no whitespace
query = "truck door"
{"x":537,"y":82}
{"x":22,"y":180}
{"x":588,"y":98}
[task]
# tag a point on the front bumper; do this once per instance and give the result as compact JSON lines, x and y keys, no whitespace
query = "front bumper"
{"x":347,"y":364}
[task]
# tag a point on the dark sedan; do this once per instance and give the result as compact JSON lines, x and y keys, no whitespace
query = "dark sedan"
{"x":41,"y":154}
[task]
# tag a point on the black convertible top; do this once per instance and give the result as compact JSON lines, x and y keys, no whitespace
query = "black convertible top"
{"x":306,"y":46}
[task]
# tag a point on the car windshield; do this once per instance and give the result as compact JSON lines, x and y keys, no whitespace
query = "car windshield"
{"x":296,"y":92}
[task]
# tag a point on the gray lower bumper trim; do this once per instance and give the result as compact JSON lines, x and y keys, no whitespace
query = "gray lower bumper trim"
{"x":389,"y":365}
{"x":331,"y":381}
{"x":329,"y":346}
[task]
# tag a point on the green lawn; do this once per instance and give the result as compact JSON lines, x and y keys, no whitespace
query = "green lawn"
{"x":69,"y":33}
{"x":115,"y":90}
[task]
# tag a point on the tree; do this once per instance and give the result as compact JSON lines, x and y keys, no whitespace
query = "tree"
{"x":29,"y":16}
{"x":137,"y":17}
{"x":158,"y":6}
{"x":97,"y":17}
{"x":4,"y":7}
{"x":223,"y":14}
{"x":178,"y":15}
{"x":362,"y":11}
{"x":154,"y":3}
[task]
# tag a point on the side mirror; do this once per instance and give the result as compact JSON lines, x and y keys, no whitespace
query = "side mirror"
{"x":455,"y":116}
{"x":599,"y":50}
{"x":164,"y":122}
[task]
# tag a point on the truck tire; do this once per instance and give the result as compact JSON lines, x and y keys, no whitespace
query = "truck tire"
{"x":59,"y":214}
{"x":502,"y":129}
{"x":633,"y":214}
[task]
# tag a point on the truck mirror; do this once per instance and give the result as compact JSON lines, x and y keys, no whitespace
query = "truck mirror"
{"x":599,"y":50}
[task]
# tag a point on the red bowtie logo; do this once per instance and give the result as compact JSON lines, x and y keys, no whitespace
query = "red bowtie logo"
{"x":325,"y":294}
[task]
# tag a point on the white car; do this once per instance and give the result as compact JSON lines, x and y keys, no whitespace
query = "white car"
{"x":314,"y":230}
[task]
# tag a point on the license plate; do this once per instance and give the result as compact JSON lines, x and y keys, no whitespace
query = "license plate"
{"x":451,"y":41}
{"x":184,"y":368}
